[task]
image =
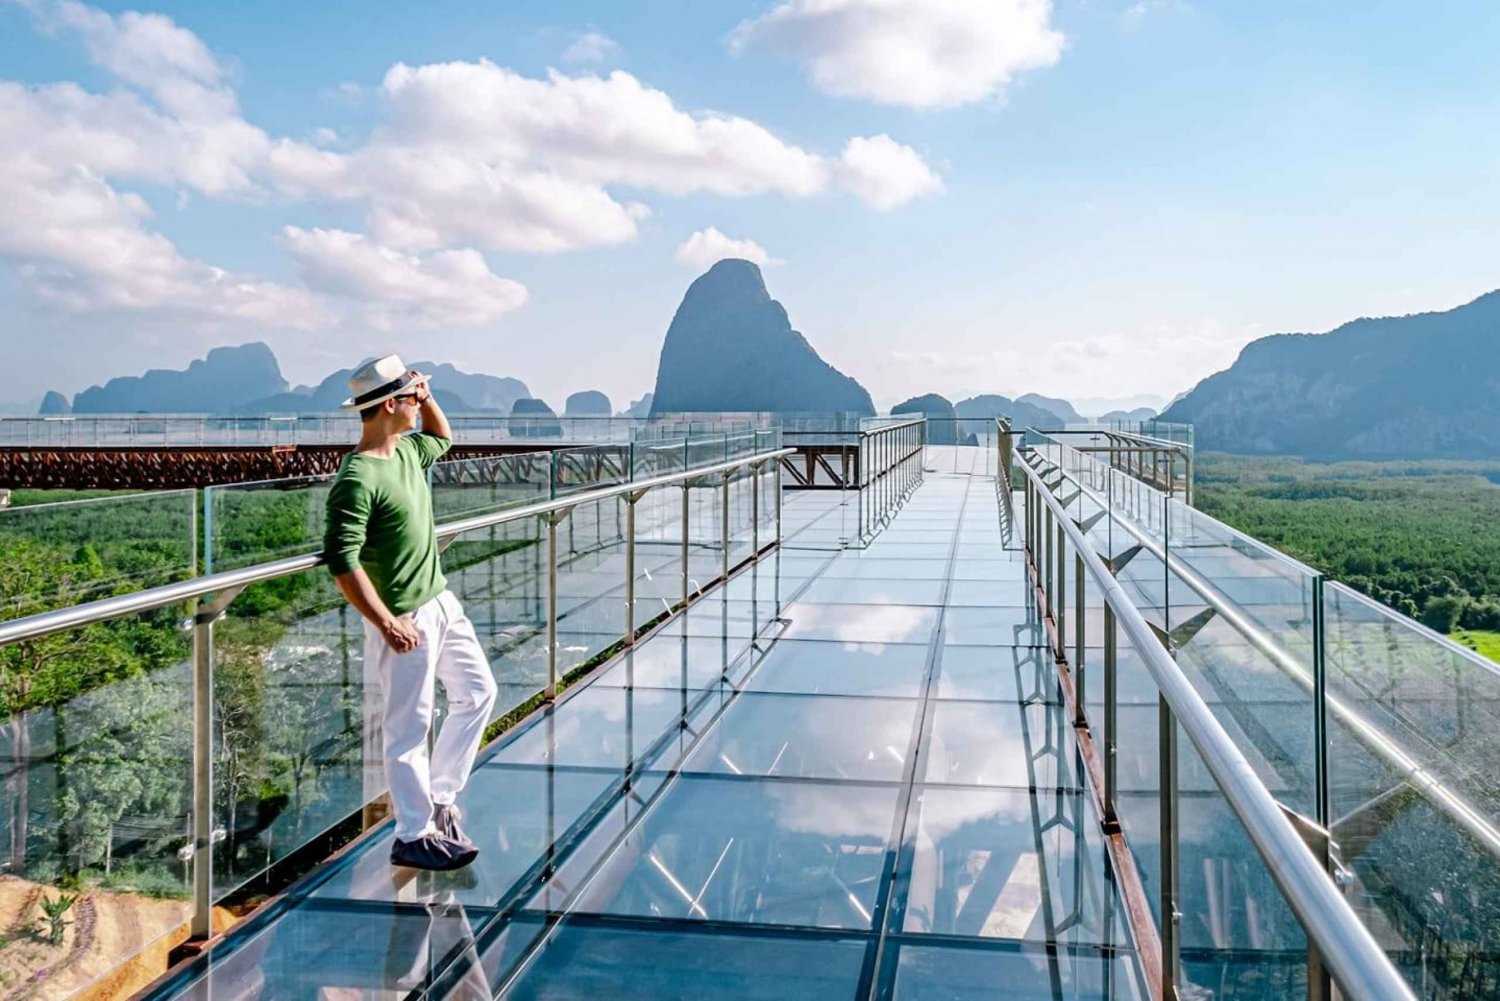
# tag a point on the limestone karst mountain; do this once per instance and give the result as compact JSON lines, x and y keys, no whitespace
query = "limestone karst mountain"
{"x":218,"y":383}
{"x":1061,"y":410}
{"x":978,"y":413}
{"x":640,"y":409}
{"x":587,"y":403}
{"x":247,"y":380}
{"x":942,"y":429}
{"x":54,"y":404}
{"x":1127,"y":416}
{"x":731,"y":347}
{"x":1405,"y":387}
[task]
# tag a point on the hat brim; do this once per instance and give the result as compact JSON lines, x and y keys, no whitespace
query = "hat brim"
{"x":353,"y":404}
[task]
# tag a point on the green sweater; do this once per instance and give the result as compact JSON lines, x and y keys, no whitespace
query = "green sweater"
{"x":380,"y":518}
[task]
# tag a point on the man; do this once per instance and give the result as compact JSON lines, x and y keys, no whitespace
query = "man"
{"x":382,"y":549}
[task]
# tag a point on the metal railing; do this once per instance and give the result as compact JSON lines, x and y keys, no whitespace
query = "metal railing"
{"x":1162,"y":463}
{"x":1311,"y":678}
{"x":1338,"y":942}
{"x":280,"y":430}
{"x":890,"y":468}
{"x":211,"y":597}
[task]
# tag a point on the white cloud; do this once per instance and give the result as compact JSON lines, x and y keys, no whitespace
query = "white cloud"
{"x":913,"y":53}
{"x":476,"y":153}
{"x":467,"y":157}
{"x":79,"y":243}
{"x":707,"y":247}
{"x":884,"y":173}
{"x":591,"y":47}
{"x":393,"y":289}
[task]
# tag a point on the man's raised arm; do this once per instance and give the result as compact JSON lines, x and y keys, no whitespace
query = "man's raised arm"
{"x":434,"y":421}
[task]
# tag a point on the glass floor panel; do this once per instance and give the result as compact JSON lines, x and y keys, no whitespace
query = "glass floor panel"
{"x":1029,"y":973}
{"x":828,"y":667}
{"x":757,"y":851}
{"x":587,"y":959}
{"x":803,"y":736}
{"x":844,"y":774}
{"x":513,"y":814}
{"x":860,"y":623}
{"x":867,"y":591}
{"x":1002,"y":863}
{"x":997,"y":674}
{"x":995,"y":744}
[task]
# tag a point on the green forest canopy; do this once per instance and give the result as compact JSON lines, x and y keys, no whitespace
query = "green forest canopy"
{"x":1422,"y":537}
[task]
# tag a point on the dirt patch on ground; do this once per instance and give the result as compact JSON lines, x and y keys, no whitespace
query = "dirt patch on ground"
{"x":103,"y":929}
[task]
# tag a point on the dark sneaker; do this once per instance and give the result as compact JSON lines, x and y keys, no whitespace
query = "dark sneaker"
{"x":433,"y":852}
{"x":445,"y":817}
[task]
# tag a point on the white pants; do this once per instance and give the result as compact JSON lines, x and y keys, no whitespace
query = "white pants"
{"x":450,"y":653}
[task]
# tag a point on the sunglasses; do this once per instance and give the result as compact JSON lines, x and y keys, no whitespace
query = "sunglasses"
{"x":407,"y":398}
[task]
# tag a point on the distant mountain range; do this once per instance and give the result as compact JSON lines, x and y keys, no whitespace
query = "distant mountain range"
{"x":977,"y":412}
{"x":731,"y":347}
{"x":1419,"y":386}
{"x":1136,"y":416}
{"x":247,"y":380}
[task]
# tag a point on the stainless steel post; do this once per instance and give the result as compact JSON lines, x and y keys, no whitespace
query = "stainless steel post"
{"x":1321,"y":797}
{"x":1319,"y":983}
{"x":1060,"y":613}
{"x":1171,"y":917}
{"x":778,"y":502}
{"x":630,"y":570}
{"x":1111,"y":717}
{"x":551,"y":690}
{"x":755,"y":511}
{"x":686,"y":513}
{"x":724,"y":528}
{"x":1047,"y":541}
{"x":861,"y":469}
{"x":203,"y":772}
{"x":1080,"y":686}
{"x":1190,"y":477}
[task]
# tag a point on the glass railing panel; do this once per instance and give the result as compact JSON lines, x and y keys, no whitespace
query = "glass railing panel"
{"x":705,"y":543}
{"x":1240,"y":940}
{"x":742,"y":488}
{"x":705,"y":450}
{"x":590,"y":582}
{"x":467,"y":488}
{"x":68,"y":552}
{"x":95,"y":750}
{"x":589,"y":467}
{"x":500,"y":576}
{"x":249,"y":523}
{"x":656,"y":458}
{"x":1138,"y":800}
{"x":1423,"y":860}
{"x":296,"y":736}
{"x":658,"y":552}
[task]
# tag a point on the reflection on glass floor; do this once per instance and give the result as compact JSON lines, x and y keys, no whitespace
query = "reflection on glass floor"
{"x":846,"y":774}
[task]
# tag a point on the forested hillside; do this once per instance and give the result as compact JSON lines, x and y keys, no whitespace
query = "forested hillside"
{"x":1423,"y":537}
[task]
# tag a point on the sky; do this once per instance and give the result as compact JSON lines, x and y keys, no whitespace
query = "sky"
{"x":1100,"y":199}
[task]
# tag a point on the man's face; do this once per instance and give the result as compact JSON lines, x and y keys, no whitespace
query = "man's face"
{"x":407,"y":410}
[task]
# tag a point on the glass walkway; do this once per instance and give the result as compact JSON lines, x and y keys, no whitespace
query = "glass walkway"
{"x":847,"y":773}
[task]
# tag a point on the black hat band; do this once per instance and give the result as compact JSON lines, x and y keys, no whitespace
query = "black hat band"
{"x":386,"y":390}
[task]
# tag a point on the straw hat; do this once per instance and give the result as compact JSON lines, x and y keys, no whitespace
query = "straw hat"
{"x":377,"y":381}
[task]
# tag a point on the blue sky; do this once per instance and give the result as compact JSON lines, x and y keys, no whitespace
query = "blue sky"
{"x":1089,"y":199}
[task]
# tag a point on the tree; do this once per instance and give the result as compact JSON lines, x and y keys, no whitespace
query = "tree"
{"x":1442,"y":611}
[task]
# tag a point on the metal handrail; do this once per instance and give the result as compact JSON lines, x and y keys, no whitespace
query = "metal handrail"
{"x":1450,"y":802}
{"x":898,"y":441}
{"x":1345,"y":945}
{"x":1142,"y":444}
{"x":150,"y":599}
